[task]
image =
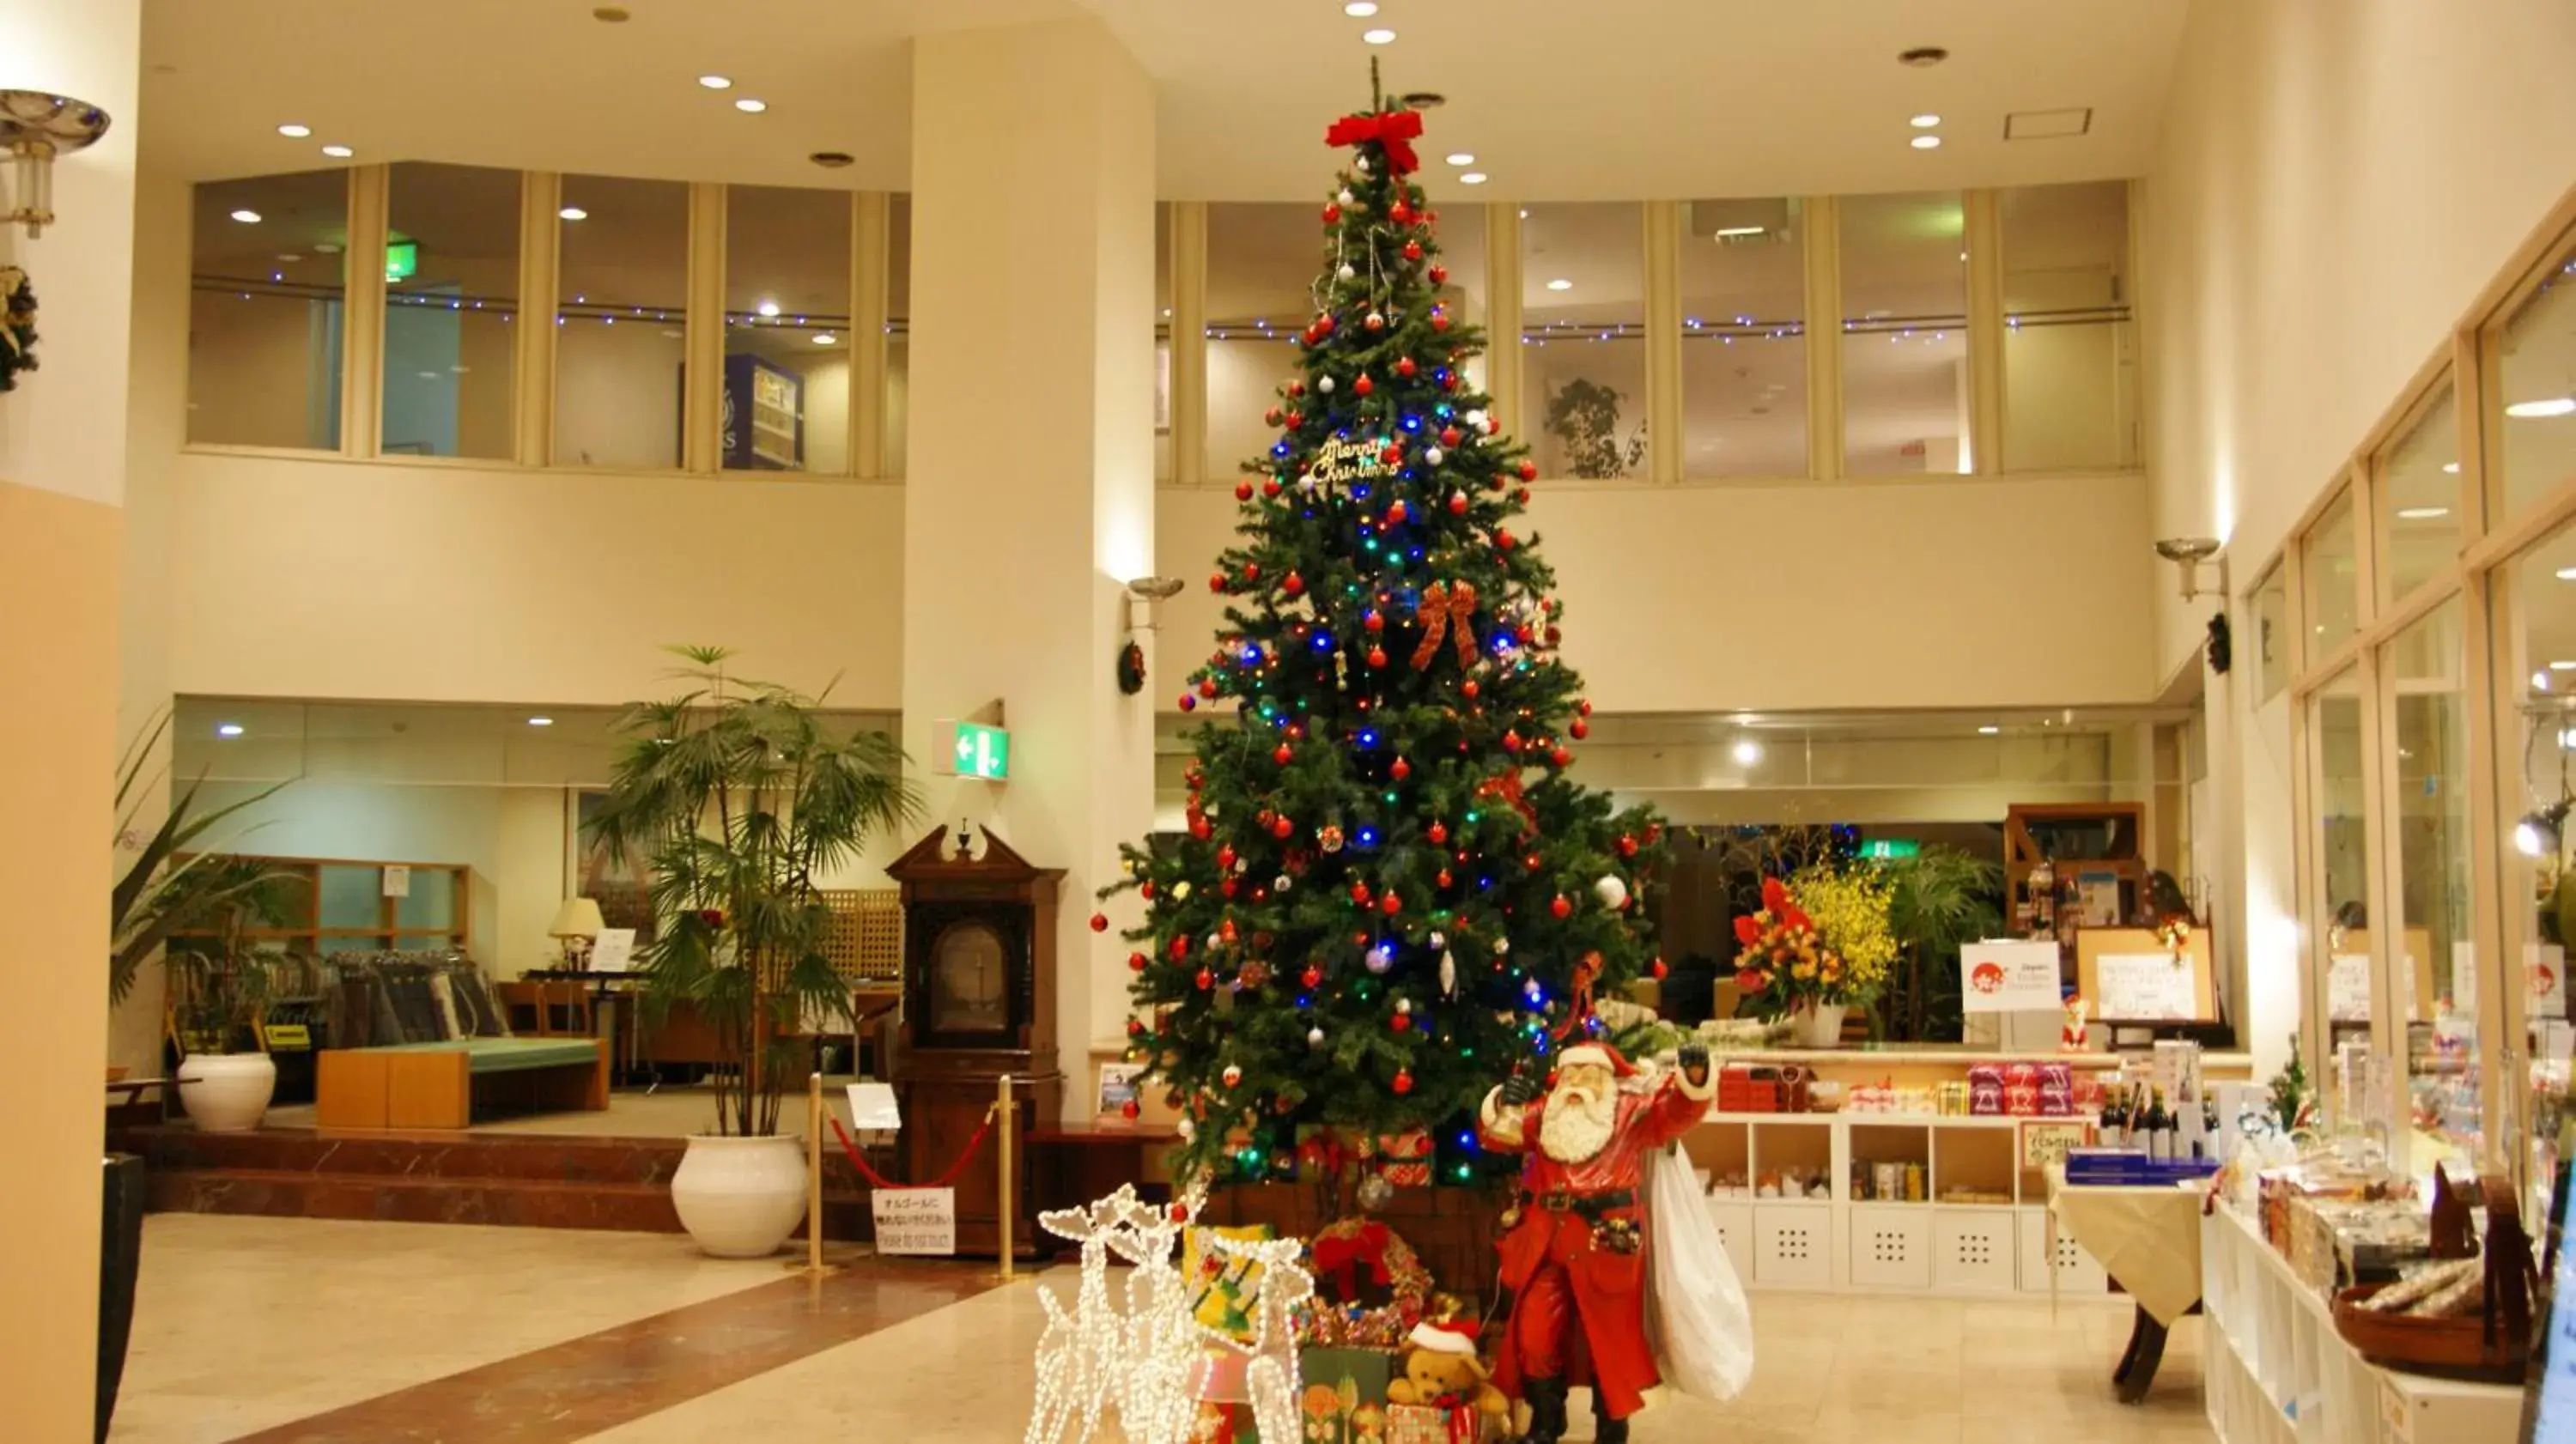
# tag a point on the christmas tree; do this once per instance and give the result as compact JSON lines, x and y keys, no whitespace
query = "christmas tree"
{"x":1390,"y":894}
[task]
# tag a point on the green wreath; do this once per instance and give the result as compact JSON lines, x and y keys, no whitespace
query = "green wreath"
{"x":17,"y":328}
{"x":1131,"y":669}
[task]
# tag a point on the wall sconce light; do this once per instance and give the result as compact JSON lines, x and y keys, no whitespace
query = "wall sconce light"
{"x":2190,"y":553}
{"x":2537,"y":834}
{"x":37,"y":127}
{"x":1148,"y":590}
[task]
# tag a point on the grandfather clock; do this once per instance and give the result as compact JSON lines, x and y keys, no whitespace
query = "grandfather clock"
{"x":978,"y":1003}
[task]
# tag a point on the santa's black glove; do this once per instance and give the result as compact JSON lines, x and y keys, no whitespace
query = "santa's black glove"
{"x":1694,"y":1060}
{"x":1518,"y":1089}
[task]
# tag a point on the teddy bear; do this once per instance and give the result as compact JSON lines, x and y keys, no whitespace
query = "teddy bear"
{"x":1440,"y":1369}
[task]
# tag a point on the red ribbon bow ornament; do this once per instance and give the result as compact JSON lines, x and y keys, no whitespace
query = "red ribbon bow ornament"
{"x":1341,"y":1258}
{"x":1451,"y":610}
{"x":1394,"y":130}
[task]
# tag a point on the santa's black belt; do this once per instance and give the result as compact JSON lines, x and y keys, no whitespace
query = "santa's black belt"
{"x":1588,"y":1205}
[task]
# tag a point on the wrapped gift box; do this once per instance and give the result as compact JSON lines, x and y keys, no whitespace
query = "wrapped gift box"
{"x":1403,"y":1159}
{"x":1344,"y":1398}
{"x":1223,"y":1424}
{"x":1423,"y":1424}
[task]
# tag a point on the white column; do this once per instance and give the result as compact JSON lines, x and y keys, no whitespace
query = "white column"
{"x":62,"y":484}
{"x":1030,"y":493}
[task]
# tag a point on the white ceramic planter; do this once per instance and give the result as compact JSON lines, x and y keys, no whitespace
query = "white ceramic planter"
{"x":740,"y":1197}
{"x":226,"y":1092}
{"x":1819,"y":1025}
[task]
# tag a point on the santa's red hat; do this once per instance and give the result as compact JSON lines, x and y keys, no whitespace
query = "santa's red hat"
{"x":1448,"y":1337}
{"x":1597,"y":1054}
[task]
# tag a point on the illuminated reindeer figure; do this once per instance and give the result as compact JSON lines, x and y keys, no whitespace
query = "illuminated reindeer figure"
{"x":1146,"y":1361}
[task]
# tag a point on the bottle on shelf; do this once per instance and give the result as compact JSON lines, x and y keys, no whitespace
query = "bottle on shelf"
{"x":2115,"y":1118}
{"x":2159,"y":1128}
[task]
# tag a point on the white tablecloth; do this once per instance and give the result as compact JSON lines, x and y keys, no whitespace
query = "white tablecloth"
{"x":2147,"y":1238}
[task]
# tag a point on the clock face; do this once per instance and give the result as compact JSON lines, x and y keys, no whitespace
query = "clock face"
{"x":969,"y":981}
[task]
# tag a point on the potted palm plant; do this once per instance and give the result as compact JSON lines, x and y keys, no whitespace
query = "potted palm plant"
{"x":221,"y":981}
{"x":738,"y":797}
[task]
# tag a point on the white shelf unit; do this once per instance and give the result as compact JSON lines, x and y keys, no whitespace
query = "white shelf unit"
{"x":1884,"y":1245}
{"x":2278,"y":1373}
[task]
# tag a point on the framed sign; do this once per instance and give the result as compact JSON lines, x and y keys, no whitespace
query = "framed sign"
{"x":2008,"y":977}
{"x":915,"y":1220}
{"x":2131,"y":976}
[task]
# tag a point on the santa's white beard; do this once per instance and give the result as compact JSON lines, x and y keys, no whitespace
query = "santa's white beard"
{"x":1576,"y":1124}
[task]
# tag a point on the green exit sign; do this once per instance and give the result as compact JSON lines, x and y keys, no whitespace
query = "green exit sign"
{"x":1887,"y":848}
{"x":402,"y":258}
{"x":983,"y":752}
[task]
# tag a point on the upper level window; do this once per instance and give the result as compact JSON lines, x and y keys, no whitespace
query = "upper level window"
{"x":898,"y":377}
{"x":2070,"y":347}
{"x":1262,"y":262}
{"x":451,"y":310}
{"x":1905,"y":334}
{"x":1743,"y":273}
{"x":268,"y":303}
{"x":2419,"y":498}
{"x":1583,"y":339}
{"x":2536,"y":379}
{"x":621,"y":318}
{"x":787,"y":329}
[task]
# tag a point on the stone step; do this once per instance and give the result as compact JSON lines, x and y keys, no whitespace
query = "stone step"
{"x":522,"y":1203}
{"x":472,"y":1156}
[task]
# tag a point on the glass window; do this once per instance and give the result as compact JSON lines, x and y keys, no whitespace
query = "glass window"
{"x":787,"y":327}
{"x":898,"y":328}
{"x":2537,"y":392}
{"x":2419,"y":499}
{"x":2332,"y":580}
{"x":1462,"y":251}
{"x":2433,"y":955}
{"x":2342,"y":858}
{"x":451,"y":304}
{"x":1162,"y":340}
{"x":267,"y":316}
{"x":2535,"y":632}
{"x":2272,"y":659}
{"x":1743,"y":277}
{"x":1262,"y":262}
{"x":621,"y":313}
{"x":2070,"y":350}
{"x":1583,"y":338}
{"x":1905,"y":334}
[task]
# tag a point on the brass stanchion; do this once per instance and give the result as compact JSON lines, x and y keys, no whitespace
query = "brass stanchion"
{"x":1005,"y":1108}
{"x":813,"y":1266}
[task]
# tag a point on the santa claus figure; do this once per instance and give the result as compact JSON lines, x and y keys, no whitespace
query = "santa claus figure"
{"x":1573,"y":1245}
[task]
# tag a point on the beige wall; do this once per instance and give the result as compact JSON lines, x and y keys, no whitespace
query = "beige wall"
{"x":2338,"y":180}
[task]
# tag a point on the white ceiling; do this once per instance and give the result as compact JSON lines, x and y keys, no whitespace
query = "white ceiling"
{"x":1602,"y":99}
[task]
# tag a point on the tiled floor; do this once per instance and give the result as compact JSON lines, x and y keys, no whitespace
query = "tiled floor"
{"x":247,"y":1324}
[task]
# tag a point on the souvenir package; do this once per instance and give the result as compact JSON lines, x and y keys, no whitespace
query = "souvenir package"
{"x":2056,"y":1090}
{"x":1403,"y":1159}
{"x":1986,"y":1090}
{"x":1954,"y":1100}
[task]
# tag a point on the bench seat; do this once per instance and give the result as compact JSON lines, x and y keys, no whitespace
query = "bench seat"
{"x":431,"y":1085}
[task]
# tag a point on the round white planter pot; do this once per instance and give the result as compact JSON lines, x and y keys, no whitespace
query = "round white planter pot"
{"x":226,"y":1092}
{"x":740,"y":1197}
{"x":1820,"y":1025}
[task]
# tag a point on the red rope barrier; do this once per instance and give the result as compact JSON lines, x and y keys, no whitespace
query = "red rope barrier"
{"x":944,"y":1180}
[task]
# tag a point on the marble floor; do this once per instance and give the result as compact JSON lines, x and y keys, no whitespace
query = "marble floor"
{"x":312,"y":1331}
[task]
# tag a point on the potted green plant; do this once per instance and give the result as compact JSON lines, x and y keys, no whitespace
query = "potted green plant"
{"x":1939,"y":900}
{"x":739,"y":797}
{"x":221,"y":980}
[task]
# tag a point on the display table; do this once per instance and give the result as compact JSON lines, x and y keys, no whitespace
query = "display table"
{"x":2278,"y":1373}
{"x":2148,"y":1241}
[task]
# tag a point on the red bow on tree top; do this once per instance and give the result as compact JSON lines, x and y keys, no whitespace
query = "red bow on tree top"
{"x":1393,"y":129}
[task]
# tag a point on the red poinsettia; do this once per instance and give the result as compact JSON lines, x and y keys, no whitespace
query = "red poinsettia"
{"x":1778,"y":944}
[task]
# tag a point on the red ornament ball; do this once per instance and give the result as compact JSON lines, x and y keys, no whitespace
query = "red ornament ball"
{"x":1659,"y":969}
{"x":1627,"y":845}
{"x":1404,"y":367}
{"x":1560,"y":756}
{"x":1375,"y":623}
{"x":1469,"y":688}
{"x":1313,"y":977}
{"x":1281,"y":827}
{"x":1135,"y":1028}
{"x":1207,"y":687}
{"x":1529,"y":471}
{"x":1189,"y":703}
{"x":1199,"y":828}
{"x":1293,"y":584}
{"x":1503,"y":541}
{"x":1457,"y":503}
{"x":1270,"y":486}
{"x":1403,"y":1080}
{"x":1397,"y":513}
{"x":1438,"y":833}
{"x":1135,"y":962}
{"x":1400,"y":213}
{"x":1332,"y":213}
{"x":1390,"y":905}
{"x":1144,"y":890}
{"x":1449,"y":436}
{"x":1400,"y":1022}
{"x":1252,"y":571}
{"x":1413,"y":250}
{"x":1360,"y":893}
{"x":1437,"y":274}
{"x":1271,"y":416}
{"x":1243,"y":491}
{"x":1400,"y":769}
{"x":1443,"y":879}
{"x":1282,"y":755}
{"x":1100,"y":922}
{"x":1563,"y":907}
{"x":1511,"y":740}
{"x":1377,"y":656}
{"x":1205,"y":979}
{"x":1532,"y":862}
{"x":1216,"y":581}
{"x":1363,"y":386}
{"x":1180,"y":947}
{"x":1128,"y":1110}
{"x":1439,"y":319}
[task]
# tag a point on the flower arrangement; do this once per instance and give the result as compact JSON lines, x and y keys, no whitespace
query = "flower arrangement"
{"x":1820,"y":938}
{"x":1849,"y":908}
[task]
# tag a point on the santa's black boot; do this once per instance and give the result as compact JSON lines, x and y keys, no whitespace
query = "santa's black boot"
{"x":1547,"y":1410}
{"x":1606,"y":1430}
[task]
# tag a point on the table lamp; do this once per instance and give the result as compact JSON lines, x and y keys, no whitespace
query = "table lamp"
{"x":576,"y":926}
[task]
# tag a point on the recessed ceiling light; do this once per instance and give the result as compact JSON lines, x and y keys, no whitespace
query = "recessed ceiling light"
{"x":541,"y":721}
{"x":248,"y":218}
{"x":767,"y":308}
{"x":1927,"y":142}
{"x":228,"y":729}
{"x":1988,"y":730}
{"x":338,"y":152}
{"x":295,"y":132}
{"x":1560,"y":284}
{"x":2531,"y":410}
{"x":749,"y":106}
{"x":2422,"y":513}
{"x":1747,"y":752}
{"x":1471,"y":178}
{"x":1723,"y":232}
{"x":2562,"y":666}
{"x":716,"y":82}
{"x":1925,"y":121}
{"x":2567,"y":574}
{"x":1360,"y":9}
{"x":328,"y":248}
{"x":289,"y":257}
{"x":1378,"y":37}
{"x":826,"y":338}
{"x":1460,"y":157}
{"x":2451,"y":468}
{"x":673,"y":332}
{"x":573,"y":213}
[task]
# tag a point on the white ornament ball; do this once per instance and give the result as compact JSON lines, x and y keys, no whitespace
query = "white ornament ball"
{"x":1502,"y":946}
{"x":1233,"y":1075}
{"x":1360,"y":163}
{"x":1475,"y":418}
{"x":1348,"y":272}
{"x":1373,"y":320}
{"x":1314,"y":1037}
{"x":1612,"y":892}
{"x":1344,"y":196}
{"x":1181,"y":891}
{"x":1432,"y":455}
{"x":1438,"y":939}
{"x":1404,"y":1006}
{"x":1186,"y":1128}
{"x":1280,"y":883}
{"x":1324,"y":384}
